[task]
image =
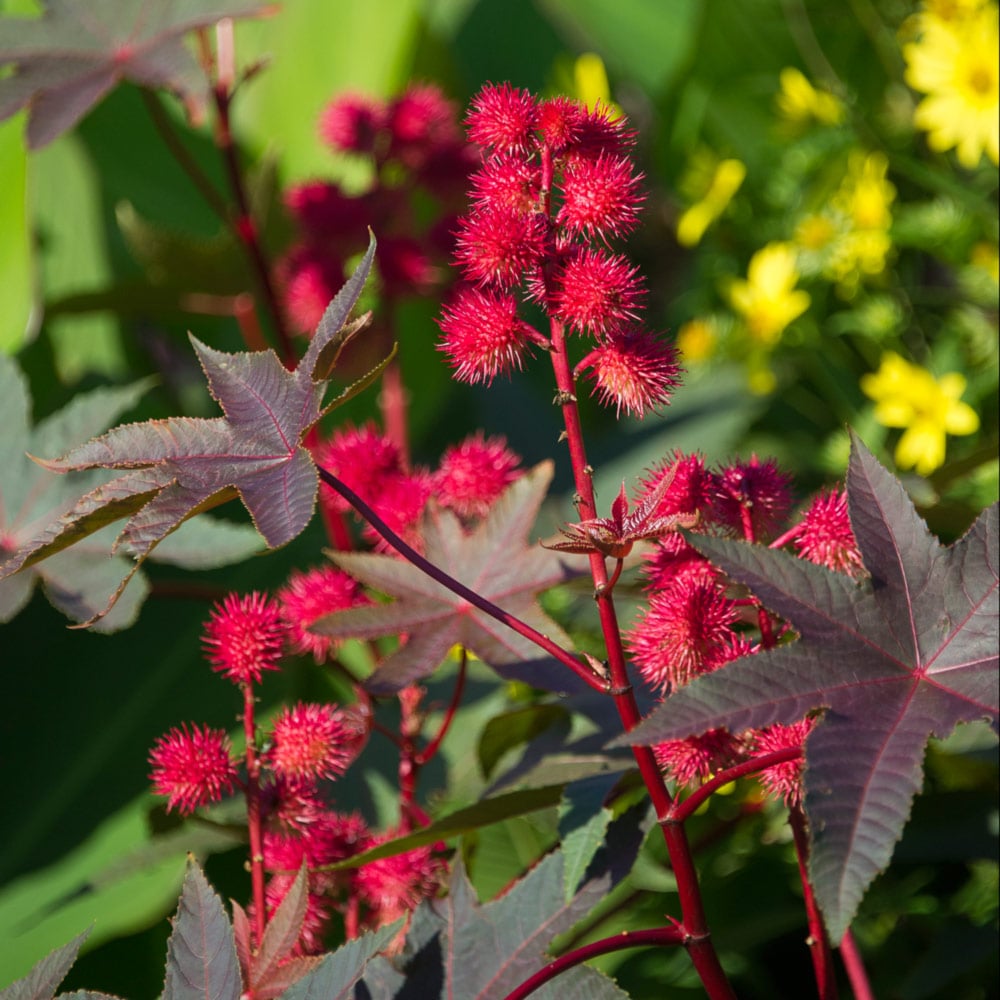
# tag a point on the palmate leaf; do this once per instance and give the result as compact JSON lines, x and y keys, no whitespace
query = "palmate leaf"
{"x":179,"y":467}
{"x":496,"y":562}
{"x":891,"y":662}
{"x":458,"y":948}
{"x":78,"y":581}
{"x":66,"y":61}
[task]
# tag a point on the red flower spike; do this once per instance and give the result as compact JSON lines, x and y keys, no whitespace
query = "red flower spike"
{"x":420,"y":121}
{"x":350,"y":123}
{"x":614,"y":536}
{"x":244,"y":637}
{"x":604,"y":130}
{"x":400,"y":503}
{"x":674,"y":557}
{"x":327,"y":214}
{"x":472,"y":475}
{"x":310,"y":277}
{"x":497,"y":245}
{"x":782,"y":781}
{"x":561,"y":122}
{"x":597,"y":291}
{"x":310,"y":595}
{"x":826,"y":537}
{"x":697,"y":758}
{"x":482,"y":335}
{"x":691,"y":487}
{"x":752,"y":497}
{"x":636,"y":371}
{"x":395,"y":885}
{"x":502,"y":117}
{"x":686,"y":630}
{"x":507,"y":182}
{"x":362,"y":457}
{"x":309,"y":742}
{"x":192,"y":767}
{"x":600,"y":196}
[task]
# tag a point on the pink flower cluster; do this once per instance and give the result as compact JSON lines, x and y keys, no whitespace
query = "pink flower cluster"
{"x":416,"y":152}
{"x":469,"y":479}
{"x":307,"y":746}
{"x":692,"y":625}
{"x":557,"y":183}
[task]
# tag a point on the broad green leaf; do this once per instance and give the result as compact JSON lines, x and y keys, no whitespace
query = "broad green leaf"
{"x":201,"y":952}
{"x":496,"y":562}
{"x":891,"y":662}
{"x":71,"y":57}
{"x":16,"y":263}
{"x":485,"y":813}
{"x":44,"y":979}
{"x":118,"y":880}
{"x":179,"y":467}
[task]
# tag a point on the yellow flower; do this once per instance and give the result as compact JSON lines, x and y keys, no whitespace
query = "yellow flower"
{"x":799,"y":101}
{"x":725,"y":182}
{"x":768,"y":300}
{"x":955,"y":64}
{"x":986,"y":256}
{"x":928,"y":408}
{"x":697,"y":340}
{"x":591,"y":82}
{"x":850,"y":238}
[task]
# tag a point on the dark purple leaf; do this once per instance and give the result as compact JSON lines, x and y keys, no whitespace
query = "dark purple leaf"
{"x":201,"y":953}
{"x":282,"y":932}
{"x":459,"y":948}
{"x":336,"y":976}
{"x":892,"y":661}
{"x":179,"y":467}
{"x":495,"y":561}
{"x":69,"y":59}
{"x":44,"y":979}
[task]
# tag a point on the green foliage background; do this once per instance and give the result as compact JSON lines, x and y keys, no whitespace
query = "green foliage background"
{"x":81,"y":710}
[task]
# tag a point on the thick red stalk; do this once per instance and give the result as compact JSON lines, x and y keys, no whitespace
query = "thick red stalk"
{"x":659,"y":936}
{"x":819,"y":945}
{"x":695,"y":927}
{"x":242,"y":223}
{"x":855,"y":968}
{"x":456,"y":586}
{"x":254,"y":827}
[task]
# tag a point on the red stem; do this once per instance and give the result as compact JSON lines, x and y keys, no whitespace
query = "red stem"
{"x":695,"y":926}
{"x":427,"y":754}
{"x":659,"y":936}
{"x":242,"y":223}
{"x":252,"y":792}
{"x":855,"y":967}
{"x":819,"y":945}
{"x":456,"y":586}
{"x":682,"y":809}
{"x":392,"y":402}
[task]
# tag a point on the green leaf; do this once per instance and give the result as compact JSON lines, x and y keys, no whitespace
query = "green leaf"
{"x":485,"y":813}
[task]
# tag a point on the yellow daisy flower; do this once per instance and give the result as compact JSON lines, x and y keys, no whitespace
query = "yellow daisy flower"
{"x":929,"y":408}
{"x":768,"y":300}
{"x":955,"y":64}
